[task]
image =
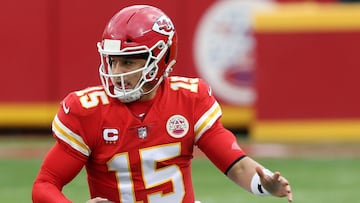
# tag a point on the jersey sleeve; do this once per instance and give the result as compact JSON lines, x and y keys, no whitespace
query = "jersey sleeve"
{"x":68,"y":127}
{"x":207,"y":110}
{"x":71,"y":151}
{"x":58,"y":168}
{"x":219,"y":144}
{"x":221,"y":147}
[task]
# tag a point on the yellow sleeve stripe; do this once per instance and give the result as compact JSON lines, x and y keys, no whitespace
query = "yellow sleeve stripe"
{"x":207,"y":120}
{"x":69,"y":137}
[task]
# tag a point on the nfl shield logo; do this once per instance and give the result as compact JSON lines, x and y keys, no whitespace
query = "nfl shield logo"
{"x":142,"y":132}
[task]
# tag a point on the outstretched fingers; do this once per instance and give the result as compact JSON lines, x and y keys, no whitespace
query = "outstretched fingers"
{"x":289,"y":193}
{"x":285,"y":189}
{"x":277,"y":176}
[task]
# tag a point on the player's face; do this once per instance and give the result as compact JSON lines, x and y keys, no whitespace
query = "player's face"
{"x":124,"y":64}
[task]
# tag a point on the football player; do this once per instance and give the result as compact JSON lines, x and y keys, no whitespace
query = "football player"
{"x":135,"y":134}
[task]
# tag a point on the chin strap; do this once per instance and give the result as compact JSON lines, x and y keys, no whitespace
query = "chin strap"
{"x":129,"y":96}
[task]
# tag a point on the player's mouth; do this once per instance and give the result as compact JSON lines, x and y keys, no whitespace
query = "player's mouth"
{"x":127,"y":85}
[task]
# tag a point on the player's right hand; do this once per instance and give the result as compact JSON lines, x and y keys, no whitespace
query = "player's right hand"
{"x":99,"y":200}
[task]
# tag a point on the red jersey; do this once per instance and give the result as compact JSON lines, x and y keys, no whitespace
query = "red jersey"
{"x":145,"y":156}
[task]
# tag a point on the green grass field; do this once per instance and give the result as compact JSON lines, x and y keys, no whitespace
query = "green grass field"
{"x":318,"y":180}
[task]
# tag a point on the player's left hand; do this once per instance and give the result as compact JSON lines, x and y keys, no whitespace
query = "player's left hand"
{"x":276,"y":184}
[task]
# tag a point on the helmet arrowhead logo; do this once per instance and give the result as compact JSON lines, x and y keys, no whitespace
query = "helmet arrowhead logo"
{"x":163,"y":25}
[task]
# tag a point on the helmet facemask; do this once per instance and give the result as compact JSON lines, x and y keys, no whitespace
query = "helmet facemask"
{"x":149,"y":71}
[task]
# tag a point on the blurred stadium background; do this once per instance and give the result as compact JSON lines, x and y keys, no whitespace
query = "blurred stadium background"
{"x":286,"y":73}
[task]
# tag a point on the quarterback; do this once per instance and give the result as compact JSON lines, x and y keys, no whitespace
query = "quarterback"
{"x":135,"y":134}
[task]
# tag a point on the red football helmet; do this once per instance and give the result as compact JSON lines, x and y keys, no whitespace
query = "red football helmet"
{"x":138,"y":30}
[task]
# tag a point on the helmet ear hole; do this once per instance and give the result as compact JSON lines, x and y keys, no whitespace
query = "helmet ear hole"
{"x":151,"y":74}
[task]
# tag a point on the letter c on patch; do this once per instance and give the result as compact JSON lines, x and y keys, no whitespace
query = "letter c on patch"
{"x":111,"y":134}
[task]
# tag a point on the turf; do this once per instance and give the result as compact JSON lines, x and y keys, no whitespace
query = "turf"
{"x":313,"y":180}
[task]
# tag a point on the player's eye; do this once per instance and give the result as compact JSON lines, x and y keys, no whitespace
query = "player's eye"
{"x":111,"y":61}
{"x":127,"y":62}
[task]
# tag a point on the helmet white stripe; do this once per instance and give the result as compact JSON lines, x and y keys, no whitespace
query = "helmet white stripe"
{"x":112,"y":45}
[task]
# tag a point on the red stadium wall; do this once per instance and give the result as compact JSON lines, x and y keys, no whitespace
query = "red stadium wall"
{"x":49,"y":49}
{"x":307,"y":73}
{"x":296,"y":82}
{"x":50,"y":46}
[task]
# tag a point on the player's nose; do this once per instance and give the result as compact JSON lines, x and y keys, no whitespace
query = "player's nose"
{"x":117,"y":68}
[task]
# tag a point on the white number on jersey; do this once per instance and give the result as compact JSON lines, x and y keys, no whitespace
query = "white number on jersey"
{"x":190,"y":84}
{"x":90,"y":98}
{"x":151,"y":175}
